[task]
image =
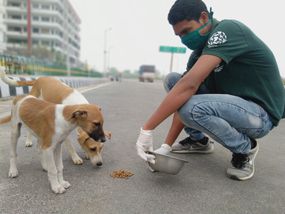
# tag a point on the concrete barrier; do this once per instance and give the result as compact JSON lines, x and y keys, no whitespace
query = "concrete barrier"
{"x":7,"y":91}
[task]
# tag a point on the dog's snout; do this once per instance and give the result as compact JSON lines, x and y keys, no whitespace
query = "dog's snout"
{"x":98,"y":137}
{"x":99,"y":164}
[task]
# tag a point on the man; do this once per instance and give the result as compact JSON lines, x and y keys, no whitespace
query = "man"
{"x":232,"y":90}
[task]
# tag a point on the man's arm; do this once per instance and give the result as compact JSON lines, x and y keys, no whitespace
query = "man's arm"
{"x":184,"y":89}
{"x":175,"y":129}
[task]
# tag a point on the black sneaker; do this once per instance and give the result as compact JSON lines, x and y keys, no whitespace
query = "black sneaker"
{"x":188,"y":145}
{"x":243,"y":164}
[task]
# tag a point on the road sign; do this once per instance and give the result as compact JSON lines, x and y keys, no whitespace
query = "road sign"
{"x":171,"y":49}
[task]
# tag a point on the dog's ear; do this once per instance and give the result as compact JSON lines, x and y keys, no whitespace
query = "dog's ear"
{"x":79,"y":131}
{"x":82,"y":136}
{"x":79,"y":114}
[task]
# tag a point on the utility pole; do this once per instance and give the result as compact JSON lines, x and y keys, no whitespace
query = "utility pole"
{"x":105,"y":50}
{"x":29,"y":27}
{"x":172,"y":50}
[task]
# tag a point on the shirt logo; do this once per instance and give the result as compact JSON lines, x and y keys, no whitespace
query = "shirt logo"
{"x":216,"y":39}
{"x":218,"y":68}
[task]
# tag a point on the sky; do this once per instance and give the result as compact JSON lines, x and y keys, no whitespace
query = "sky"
{"x":133,"y":30}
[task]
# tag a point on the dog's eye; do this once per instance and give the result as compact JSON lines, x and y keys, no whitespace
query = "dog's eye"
{"x":97,"y":125}
{"x":93,"y":149}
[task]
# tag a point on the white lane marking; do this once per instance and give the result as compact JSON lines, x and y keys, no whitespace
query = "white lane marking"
{"x":95,"y":87}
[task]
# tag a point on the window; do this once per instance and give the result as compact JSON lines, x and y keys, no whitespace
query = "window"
{"x":45,"y":43}
{"x":35,"y":6}
{"x":36,"y":30}
{"x":14,"y":4}
{"x":14,"y":40}
{"x":45,"y":19}
{"x":36,"y":18}
{"x":16,"y":17}
{"x":14,"y":29}
{"x":46,"y":6}
{"x":45,"y":31}
{"x":35,"y":42}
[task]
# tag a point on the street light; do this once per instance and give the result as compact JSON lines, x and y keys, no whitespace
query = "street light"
{"x":105,"y":49}
{"x":108,"y":58}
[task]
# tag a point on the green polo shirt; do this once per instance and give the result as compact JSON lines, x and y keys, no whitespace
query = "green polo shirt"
{"x":249,"y":69}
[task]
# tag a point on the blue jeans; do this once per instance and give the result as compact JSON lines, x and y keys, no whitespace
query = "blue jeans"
{"x":229,"y":120}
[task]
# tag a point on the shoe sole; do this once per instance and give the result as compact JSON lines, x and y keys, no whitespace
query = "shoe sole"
{"x":193,"y":152}
{"x":241,"y":179}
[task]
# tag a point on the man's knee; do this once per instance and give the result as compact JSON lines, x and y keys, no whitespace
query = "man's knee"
{"x":193,"y":109}
{"x":170,"y":80}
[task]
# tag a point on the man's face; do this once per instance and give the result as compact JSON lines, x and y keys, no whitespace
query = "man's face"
{"x":186,"y":26}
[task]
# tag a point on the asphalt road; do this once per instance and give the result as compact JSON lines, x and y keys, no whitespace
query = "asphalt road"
{"x":200,"y":188}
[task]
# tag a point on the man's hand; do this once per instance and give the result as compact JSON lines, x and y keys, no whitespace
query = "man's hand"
{"x":164,"y":149}
{"x":144,"y":144}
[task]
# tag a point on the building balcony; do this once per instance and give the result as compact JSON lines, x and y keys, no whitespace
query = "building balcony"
{"x":16,"y":10}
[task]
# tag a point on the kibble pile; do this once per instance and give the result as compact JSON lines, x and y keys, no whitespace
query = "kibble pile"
{"x":121,"y":174}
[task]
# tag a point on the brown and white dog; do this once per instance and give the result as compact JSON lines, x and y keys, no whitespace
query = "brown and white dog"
{"x":51,"y":124}
{"x":54,"y":91}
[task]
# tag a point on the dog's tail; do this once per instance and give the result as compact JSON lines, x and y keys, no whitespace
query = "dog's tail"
{"x":5,"y":119}
{"x":14,"y":82}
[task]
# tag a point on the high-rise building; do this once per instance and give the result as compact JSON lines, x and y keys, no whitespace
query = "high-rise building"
{"x":27,"y":25}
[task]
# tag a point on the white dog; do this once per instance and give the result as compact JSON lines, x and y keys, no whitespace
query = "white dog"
{"x":51,"y":124}
{"x":54,"y":91}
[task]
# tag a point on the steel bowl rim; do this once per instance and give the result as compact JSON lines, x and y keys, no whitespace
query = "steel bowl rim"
{"x":169,"y":156}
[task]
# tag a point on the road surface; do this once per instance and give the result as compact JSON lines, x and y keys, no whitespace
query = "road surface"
{"x":200,"y":188}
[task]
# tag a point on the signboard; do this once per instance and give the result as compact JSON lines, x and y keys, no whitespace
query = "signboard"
{"x":171,"y":49}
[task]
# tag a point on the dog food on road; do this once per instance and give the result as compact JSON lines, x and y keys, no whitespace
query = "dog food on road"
{"x":121,"y":174}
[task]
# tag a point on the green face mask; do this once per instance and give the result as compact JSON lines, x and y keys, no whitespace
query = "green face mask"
{"x":194,"y":40}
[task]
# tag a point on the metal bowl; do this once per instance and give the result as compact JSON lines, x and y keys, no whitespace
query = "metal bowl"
{"x":166,"y":163}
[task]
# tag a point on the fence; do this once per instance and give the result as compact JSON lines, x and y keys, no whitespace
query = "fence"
{"x":33,"y":66}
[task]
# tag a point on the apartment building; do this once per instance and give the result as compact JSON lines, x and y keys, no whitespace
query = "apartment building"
{"x":30,"y":24}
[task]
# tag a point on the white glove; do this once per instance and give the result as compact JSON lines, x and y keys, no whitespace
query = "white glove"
{"x":144,"y":144}
{"x":164,"y":149}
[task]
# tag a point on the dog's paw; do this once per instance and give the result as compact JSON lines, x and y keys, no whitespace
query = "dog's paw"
{"x":13,"y":173}
{"x":77,"y":160}
{"x":66,"y":184}
{"x":29,"y":143}
{"x":58,"y":189}
{"x":108,"y":134}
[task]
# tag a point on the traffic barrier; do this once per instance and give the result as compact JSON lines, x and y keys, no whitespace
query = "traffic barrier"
{"x":7,"y":91}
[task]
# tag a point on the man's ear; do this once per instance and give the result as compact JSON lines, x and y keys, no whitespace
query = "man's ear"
{"x":79,"y":114}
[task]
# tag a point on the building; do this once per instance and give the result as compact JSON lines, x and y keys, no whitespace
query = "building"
{"x":2,"y":28}
{"x":27,"y":25}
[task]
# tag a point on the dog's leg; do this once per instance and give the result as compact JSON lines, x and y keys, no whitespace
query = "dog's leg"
{"x":15,"y":134}
{"x":73,"y":154}
{"x":29,"y":141}
{"x":59,"y":166}
{"x":48,"y":155}
{"x":43,"y":162}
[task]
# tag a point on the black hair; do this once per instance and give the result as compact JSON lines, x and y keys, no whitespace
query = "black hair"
{"x":186,"y":10}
